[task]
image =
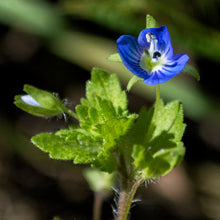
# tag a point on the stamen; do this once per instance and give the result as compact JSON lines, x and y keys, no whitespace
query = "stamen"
{"x":149,"y":37}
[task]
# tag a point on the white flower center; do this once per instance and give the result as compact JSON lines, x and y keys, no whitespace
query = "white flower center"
{"x":152,"y":58}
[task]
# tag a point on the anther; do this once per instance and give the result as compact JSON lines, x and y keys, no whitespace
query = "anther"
{"x":156,"y":54}
{"x":149,"y":37}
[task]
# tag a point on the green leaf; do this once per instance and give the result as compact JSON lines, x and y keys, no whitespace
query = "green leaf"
{"x":106,"y":86}
{"x":60,"y":148}
{"x":168,"y":117}
{"x":151,"y":22}
{"x":191,"y":71}
{"x":139,"y":131}
{"x":104,"y":100}
{"x":113,"y":133}
{"x":150,"y":167}
{"x":115,"y":58}
{"x":133,"y":81}
{"x":114,"y":129}
{"x":160,"y":148}
{"x":106,"y":162}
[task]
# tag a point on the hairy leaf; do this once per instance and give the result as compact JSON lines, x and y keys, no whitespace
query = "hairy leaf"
{"x":160,"y":148}
{"x":60,"y":148}
{"x":113,"y":133}
{"x":107,"y":87}
{"x":104,"y":100}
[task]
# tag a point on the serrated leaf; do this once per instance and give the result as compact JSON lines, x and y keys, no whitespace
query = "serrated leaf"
{"x":82,"y":112}
{"x":106,"y":162}
{"x":133,"y":81}
{"x":91,"y":118}
{"x":141,"y":127}
{"x":137,"y":133}
{"x":107,"y":87}
{"x":160,"y":148}
{"x":115,"y":58}
{"x":114,"y":129}
{"x":104,"y":100}
{"x":168,"y":117}
{"x":173,"y":155}
{"x":150,"y":167}
{"x":150,"y":22}
{"x":113,"y":132}
{"x":106,"y":109}
{"x":190,"y":70}
{"x":60,"y":148}
{"x":93,"y":115}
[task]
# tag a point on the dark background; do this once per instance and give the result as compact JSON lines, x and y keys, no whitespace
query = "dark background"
{"x":32,"y":186}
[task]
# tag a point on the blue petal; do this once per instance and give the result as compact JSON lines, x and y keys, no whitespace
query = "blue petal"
{"x":27,"y":99}
{"x":130,"y":53}
{"x":171,"y":68}
{"x":175,"y":65}
{"x":156,"y":77}
{"x":162,"y":35}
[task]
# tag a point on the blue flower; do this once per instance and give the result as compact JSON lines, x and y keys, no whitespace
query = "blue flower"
{"x":151,"y":55}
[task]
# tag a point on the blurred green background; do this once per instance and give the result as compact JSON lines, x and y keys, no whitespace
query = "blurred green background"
{"x":53,"y":44}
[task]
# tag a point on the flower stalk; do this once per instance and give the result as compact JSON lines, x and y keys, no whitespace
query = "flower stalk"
{"x":157,"y":93}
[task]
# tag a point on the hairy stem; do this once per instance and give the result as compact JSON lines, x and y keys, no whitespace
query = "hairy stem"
{"x":126,"y":197}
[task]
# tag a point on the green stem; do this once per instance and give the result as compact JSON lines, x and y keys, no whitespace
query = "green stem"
{"x":157,"y":102}
{"x":126,"y":197}
{"x":157,"y":93}
{"x":97,"y":205}
{"x":70,"y":112}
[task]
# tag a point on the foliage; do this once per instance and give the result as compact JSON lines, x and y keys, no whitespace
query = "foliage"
{"x":109,"y":137}
{"x":160,"y":148}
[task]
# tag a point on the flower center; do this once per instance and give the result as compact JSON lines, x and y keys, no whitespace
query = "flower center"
{"x":150,"y":61}
{"x":151,"y":58}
